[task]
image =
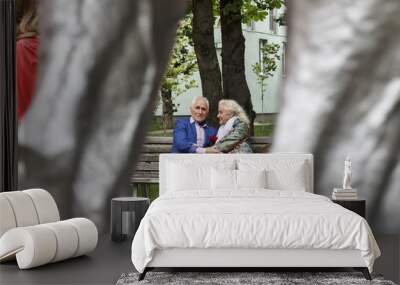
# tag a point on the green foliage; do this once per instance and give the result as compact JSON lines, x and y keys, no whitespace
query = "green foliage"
{"x":156,"y":128}
{"x":265,"y":130}
{"x":251,"y":10}
{"x":181,"y":67}
{"x":155,"y":124}
{"x":268,"y":64}
{"x":183,"y":62}
{"x":252,"y":13}
{"x":231,"y":9}
{"x":257,"y":10}
{"x":153,"y":192}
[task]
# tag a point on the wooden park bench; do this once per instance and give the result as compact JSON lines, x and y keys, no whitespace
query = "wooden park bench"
{"x":147,"y":168}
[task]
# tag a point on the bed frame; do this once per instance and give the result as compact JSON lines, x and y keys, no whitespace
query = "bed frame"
{"x":246,"y":259}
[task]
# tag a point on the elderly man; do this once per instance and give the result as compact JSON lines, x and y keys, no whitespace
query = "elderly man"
{"x":192,"y":135}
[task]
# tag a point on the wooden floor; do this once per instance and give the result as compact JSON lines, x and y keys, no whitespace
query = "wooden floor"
{"x":102,"y":266}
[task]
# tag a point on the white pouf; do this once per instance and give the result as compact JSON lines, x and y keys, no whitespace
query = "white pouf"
{"x":45,"y":205}
{"x":32,"y":246}
{"x":67,"y":239}
{"x":26,"y":208}
{"x":30,"y":230}
{"x":7,"y":220}
{"x":23,"y":208}
{"x":37,"y":245}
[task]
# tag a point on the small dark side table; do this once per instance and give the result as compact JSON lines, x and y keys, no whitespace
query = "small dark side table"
{"x":126,"y":214}
{"x":357,"y":206}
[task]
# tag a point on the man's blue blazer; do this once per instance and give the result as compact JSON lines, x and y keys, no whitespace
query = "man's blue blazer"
{"x":185,"y":136}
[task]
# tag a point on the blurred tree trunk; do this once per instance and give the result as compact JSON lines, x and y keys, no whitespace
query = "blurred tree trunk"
{"x":346,"y":108}
{"x":204,"y":46}
{"x":233,"y":70}
{"x":167,"y":109}
{"x":84,"y":131}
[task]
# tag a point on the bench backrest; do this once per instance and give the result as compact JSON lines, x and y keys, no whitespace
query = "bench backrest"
{"x":147,"y":169}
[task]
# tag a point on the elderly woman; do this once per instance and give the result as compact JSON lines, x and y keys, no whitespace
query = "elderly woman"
{"x":234,"y":129}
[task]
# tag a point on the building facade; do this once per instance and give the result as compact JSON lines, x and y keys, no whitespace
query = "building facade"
{"x":256,"y":34}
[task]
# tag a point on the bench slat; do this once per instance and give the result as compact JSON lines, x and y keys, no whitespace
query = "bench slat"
{"x":158,"y":140}
{"x":148,"y":165}
{"x":140,"y":173}
{"x":156,"y":148}
{"x":260,"y":148}
{"x":144,"y":166}
{"x":144,"y":180}
{"x":149,"y":157}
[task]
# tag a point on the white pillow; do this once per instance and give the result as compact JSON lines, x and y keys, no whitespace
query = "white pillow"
{"x":194,"y":174}
{"x":223,"y":179}
{"x":293,"y":180}
{"x":183,"y":178}
{"x":282,"y":174}
{"x":251,"y":178}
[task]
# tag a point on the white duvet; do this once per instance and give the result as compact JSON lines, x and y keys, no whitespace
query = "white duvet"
{"x":253,"y":218}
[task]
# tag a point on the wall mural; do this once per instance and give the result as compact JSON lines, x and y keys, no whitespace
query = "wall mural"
{"x":101,"y":63}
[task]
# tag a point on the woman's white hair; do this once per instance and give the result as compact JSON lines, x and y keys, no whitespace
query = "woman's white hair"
{"x":235,"y":109}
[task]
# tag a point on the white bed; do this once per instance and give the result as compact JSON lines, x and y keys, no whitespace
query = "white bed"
{"x":203,"y":219}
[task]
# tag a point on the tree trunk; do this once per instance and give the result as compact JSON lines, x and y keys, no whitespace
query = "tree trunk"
{"x":82,"y":138}
{"x":350,"y":107}
{"x":233,"y":69}
{"x":204,"y":46}
{"x":167,"y":109}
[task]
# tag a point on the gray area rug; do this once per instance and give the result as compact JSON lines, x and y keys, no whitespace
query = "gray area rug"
{"x":273,"y":278}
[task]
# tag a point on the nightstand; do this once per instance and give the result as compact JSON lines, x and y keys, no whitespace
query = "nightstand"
{"x":357,"y":206}
{"x":126,"y":214}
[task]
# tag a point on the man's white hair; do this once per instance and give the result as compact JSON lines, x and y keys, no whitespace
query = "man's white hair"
{"x":197,"y":98}
{"x":235,"y":109}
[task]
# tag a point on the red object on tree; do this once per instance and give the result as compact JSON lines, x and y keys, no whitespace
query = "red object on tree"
{"x":212,"y":139}
{"x":27,"y":59}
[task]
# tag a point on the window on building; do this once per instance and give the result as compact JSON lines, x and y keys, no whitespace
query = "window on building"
{"x":284,"y":56}
{"x":272,"y":22}
{"x":262,"y":43}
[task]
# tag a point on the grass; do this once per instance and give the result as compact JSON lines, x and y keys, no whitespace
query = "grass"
{"x":167,"y":133}
{"x":155,"y":124}
{"x":153,"y":192}
{"x":264,"y":130}
{"x":156,"y":129}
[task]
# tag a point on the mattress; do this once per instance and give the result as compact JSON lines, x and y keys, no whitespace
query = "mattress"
{"x":251,"y":219}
